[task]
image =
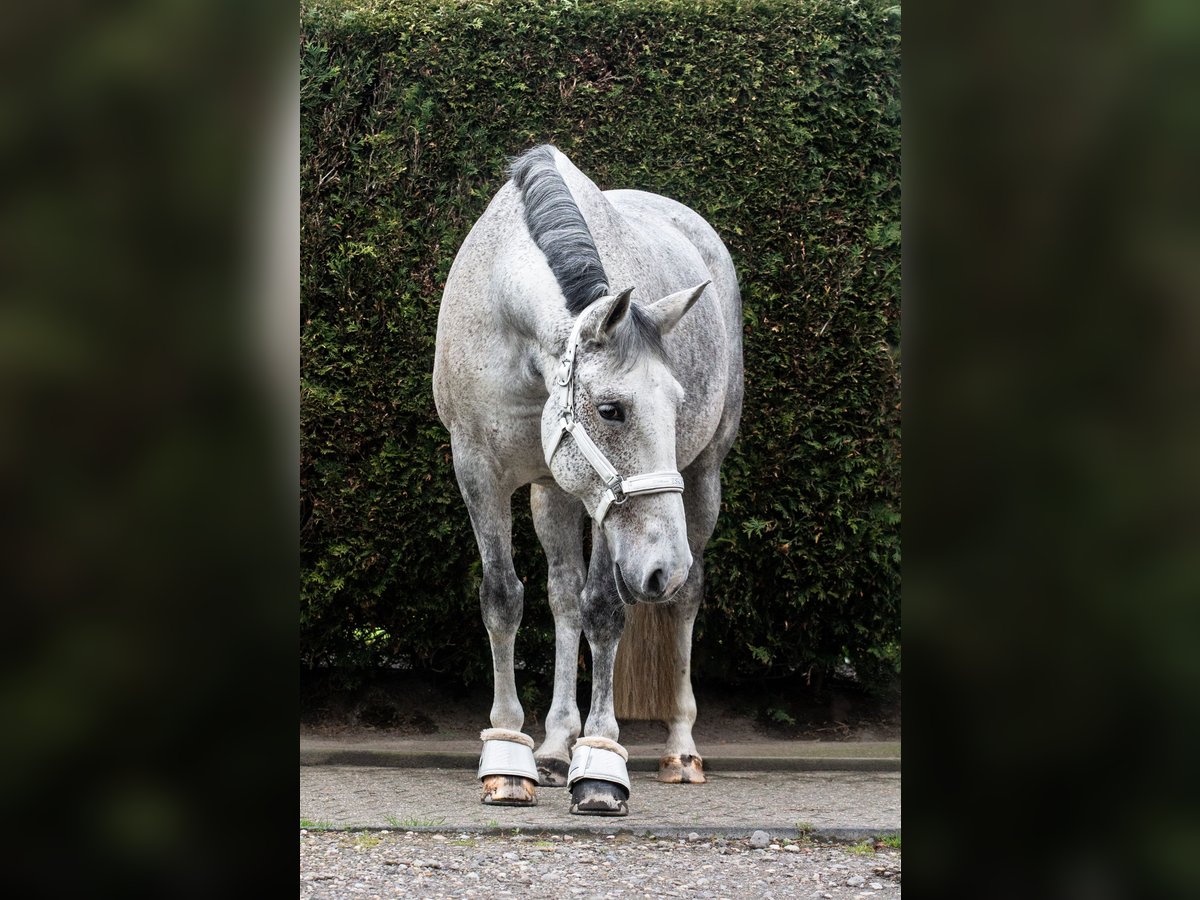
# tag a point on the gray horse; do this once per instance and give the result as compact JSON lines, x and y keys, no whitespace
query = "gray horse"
{"x":609,"y":407}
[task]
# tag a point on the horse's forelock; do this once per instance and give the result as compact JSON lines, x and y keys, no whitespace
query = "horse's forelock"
{"x":636,"y":338}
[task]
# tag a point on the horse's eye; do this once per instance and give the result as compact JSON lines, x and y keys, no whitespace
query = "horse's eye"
{"x":612,"y":412}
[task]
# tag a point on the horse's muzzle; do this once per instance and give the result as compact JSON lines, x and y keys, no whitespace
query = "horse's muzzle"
{"x":657,"y":590}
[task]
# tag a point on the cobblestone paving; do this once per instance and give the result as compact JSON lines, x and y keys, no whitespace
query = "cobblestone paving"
{"x":390,"y":864}
{"x":736,"y":802}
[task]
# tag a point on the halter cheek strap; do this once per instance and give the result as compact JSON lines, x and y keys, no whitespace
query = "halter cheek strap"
{"x":617,"y":488}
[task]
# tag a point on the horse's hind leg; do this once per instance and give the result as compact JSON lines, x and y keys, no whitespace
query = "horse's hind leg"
{"x":501,"y":600}
{"x":558,"y":520}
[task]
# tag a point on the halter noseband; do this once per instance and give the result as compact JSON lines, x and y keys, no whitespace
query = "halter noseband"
{"x":618,"y":489}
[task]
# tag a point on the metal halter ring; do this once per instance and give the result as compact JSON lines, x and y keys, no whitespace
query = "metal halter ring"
{"x":618,"y":491}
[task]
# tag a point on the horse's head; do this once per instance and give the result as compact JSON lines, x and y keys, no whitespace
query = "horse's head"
{"x":608,"y":432}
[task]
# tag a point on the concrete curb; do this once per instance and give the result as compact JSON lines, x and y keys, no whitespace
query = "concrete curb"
{"x":454,"y":759}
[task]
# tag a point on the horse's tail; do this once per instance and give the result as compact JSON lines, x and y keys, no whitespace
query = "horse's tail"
{"x":646,"y":671}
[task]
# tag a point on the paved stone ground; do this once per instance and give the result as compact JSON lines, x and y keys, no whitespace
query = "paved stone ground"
{"x":390,"y":791}
{"x":847,"y":805}
{"x":390,"y":864}
{"x":414,"y":826}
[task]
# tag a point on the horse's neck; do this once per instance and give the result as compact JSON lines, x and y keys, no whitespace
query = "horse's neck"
{"x":531,"y":316}
{"x":549,"y":340}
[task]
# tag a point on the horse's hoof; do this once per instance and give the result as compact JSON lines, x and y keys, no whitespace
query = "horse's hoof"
{"x":552,"y":771}
{"x":683,"y":769}
{"x":509,"y":790}
{"x":593,"y":797}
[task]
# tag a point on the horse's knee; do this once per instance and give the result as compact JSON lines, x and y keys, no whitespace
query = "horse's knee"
{"x":502,"y":600}
{"x":602,"y":615}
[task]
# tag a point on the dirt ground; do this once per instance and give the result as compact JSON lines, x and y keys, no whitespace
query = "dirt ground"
{"x":397,"y":704}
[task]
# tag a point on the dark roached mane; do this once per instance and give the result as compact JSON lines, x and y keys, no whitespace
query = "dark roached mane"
{"x":558,"y":228}
{"x":560,"y":232}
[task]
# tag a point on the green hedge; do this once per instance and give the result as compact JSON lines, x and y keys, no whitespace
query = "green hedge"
{"x":779,"y":121}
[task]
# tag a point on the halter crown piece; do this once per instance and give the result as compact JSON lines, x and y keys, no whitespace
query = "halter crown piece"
{"x":618,"y":488}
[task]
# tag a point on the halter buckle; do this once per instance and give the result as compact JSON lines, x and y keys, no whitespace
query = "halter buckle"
{"x":618,"y":492}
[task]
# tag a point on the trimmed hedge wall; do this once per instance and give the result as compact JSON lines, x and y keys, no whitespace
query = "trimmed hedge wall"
{"x":779,"y":121}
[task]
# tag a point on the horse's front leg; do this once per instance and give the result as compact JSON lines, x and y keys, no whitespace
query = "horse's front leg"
{"x":506,"y":766}
{"x":558,"y":520}
{"x":681,"y":763}
{"x":599,"y":779}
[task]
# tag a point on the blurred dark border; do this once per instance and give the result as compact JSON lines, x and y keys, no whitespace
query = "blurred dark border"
{"x":1052,"y":417}
{"x":148,"y":446}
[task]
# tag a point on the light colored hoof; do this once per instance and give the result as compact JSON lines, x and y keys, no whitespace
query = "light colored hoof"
{"x":552,"y":771}
{"x":593,"y":797}
{"x":509,"y":790}
{"x":683,"y":769}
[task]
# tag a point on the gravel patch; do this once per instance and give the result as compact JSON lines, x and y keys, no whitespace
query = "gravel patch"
{"x":399,"y":863}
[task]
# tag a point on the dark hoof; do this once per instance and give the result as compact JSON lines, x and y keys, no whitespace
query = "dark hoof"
{"x":683,"y":769}
{"x":592,"y":797}
{"x":552,"y":772}
{"x":509,"y":790}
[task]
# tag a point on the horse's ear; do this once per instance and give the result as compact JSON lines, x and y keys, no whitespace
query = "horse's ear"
{"x":667,"y":312}
{"x":613,"y":311}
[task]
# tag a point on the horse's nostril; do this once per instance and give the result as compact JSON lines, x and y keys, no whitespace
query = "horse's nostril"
{"x":656,"y":583}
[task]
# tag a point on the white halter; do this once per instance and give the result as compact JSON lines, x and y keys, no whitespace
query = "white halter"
{"x":618,"y":488}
